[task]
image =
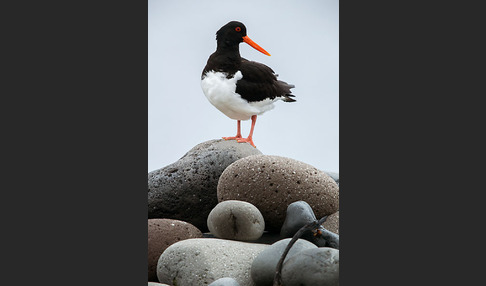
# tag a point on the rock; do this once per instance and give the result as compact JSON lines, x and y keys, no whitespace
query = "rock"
{"x":334,"y":176}
{"x":271,"y":183}
{"x":318,"y":266}
{"x":266,"y":238}
{"x":298,"y":215}
{"x":186,"y":189}
{"x":225,"y":282}
{"x":161,"y":234}
{"x":200,"y":261}
{"x":264,"y":266}
{"x":326,"y":238}
{"x":236,"y":220}
{"x":332,"y":223}
{"x":156,"y":284}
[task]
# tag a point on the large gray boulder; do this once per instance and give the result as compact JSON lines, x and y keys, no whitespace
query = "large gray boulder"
{"x":186,"y":190}
{"x":201,"y":261}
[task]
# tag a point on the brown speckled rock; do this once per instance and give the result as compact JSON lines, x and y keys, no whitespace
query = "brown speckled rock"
{"x":332,"y":223}
{"x":162,"y":233}
{"x":271,"y":183}
{"x":186,"y":189}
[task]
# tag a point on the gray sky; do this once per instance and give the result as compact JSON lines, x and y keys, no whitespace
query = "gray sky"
{"x":303,"y":39}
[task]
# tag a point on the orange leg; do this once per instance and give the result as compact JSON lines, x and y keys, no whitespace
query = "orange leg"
{"x":238,"y":133}
{"x":249,"y":139}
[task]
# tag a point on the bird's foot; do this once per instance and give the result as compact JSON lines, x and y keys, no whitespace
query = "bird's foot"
{"x":233,"y":138}
{"x":248,"y":140}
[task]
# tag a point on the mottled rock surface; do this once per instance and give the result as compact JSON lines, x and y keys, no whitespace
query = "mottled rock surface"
{"x":201,"y":261}
{"x":161,"y":234}
{"x":271,"y":183}
{"x":236,"y":220}
{"x":186,"y":189}
{"x":264,"y":265}
{"x":319,"y":266}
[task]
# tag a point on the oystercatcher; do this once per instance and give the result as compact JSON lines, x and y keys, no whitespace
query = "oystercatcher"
{"x":240,"y":88}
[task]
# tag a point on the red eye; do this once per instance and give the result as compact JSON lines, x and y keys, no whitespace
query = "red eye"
{"x":238,"y":29}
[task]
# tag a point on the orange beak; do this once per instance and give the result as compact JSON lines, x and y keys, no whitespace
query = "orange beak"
{"x":254,"y":45}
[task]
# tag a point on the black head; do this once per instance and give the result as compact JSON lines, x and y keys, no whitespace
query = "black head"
{"x":231,"y":34}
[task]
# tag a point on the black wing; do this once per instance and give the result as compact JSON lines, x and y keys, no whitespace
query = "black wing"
{"x":259,"y":82}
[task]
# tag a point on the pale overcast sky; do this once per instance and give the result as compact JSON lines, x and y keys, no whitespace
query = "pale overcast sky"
{"x":303,"y":39}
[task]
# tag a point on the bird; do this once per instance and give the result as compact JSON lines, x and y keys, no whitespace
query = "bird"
{"x":240,"y":88}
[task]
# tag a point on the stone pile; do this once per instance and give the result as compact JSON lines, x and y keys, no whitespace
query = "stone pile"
{"x":224,"y":213}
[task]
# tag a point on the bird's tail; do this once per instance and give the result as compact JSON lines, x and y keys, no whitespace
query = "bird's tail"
{"x":287,"y":97}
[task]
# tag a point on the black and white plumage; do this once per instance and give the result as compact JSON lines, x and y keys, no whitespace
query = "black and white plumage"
{"x":240,"y":88}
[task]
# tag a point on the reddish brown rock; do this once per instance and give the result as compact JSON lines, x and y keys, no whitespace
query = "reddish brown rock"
{"x":271,"y":183}
{"x":162,"y":233}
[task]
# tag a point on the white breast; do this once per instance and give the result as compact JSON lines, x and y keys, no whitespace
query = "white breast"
{"x":220,"y":91}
